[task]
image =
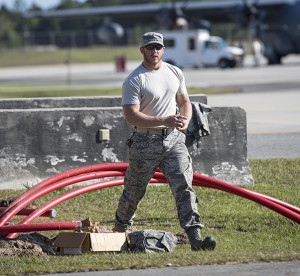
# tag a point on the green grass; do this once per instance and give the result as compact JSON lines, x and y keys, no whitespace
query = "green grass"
{"x":245,"y":231}
{"x":41,"y":92}
{"x":75,"y":55}
{"x":34,"y":91}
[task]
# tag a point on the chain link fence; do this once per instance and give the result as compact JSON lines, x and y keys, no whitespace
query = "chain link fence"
{"x":90,"y":38}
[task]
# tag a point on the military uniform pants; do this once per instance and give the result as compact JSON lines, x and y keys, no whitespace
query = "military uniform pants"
{"x":170,"y":155}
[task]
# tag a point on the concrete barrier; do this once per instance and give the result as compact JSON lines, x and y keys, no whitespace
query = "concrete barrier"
{"x":44,"y":137}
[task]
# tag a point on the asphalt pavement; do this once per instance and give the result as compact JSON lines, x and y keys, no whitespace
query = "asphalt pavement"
{"x":261,"y":269}
{"x":273,"y":121}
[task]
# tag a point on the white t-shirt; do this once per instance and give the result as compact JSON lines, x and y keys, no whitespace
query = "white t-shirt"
{"x":155,"y":90}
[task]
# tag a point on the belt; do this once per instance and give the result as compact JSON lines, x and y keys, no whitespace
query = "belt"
{"x":159,"y":131}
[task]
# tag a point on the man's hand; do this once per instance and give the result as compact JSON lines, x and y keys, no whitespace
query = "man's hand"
{"x":185,"y":111}
{"x":178,"y":121}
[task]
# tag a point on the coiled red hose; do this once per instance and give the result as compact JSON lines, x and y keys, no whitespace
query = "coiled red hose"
{"x":65,"y":175}
{"x":43,"y":190}
{"x":74,"y":193}
{"x":117,"y":169}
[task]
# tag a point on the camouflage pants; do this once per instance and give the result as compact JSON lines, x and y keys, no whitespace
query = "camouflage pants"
{"x":170,"y":155}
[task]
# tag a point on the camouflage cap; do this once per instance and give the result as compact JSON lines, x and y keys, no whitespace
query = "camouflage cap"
{"x":151,"y":37}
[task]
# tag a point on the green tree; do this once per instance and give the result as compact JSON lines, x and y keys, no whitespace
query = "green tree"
{"x":9,"y":36}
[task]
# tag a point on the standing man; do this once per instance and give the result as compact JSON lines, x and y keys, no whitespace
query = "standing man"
{"x":149,"y":98}
{"x":257,"y":49}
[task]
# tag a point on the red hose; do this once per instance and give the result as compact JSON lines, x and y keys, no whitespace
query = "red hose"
{"x":200,"y":180}
{"x":46,"y":226}
{"x":65,"y":175}
{"x":74,"y":193}
{"x":47,"y":189}
{"x":288,"y":210}
{"x":27,"y":212}
{"x":280,"y":202}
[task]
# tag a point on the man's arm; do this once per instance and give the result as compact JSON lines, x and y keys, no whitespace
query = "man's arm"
{"x":134,"y":117}
{"x":185,"y":109}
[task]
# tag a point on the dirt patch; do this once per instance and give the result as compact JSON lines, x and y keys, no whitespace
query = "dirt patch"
{"x":182,"y":238}
{"x":33,"y":244}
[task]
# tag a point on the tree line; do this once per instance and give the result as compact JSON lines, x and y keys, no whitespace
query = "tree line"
{"x":14,"y":27}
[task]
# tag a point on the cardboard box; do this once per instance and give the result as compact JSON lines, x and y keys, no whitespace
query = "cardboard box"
{"x":72,"y":243}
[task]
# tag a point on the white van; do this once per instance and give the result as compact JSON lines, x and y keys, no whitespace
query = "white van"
{"x":196,"y":48}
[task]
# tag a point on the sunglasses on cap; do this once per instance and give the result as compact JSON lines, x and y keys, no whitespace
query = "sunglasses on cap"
{"x":151,"y":47}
